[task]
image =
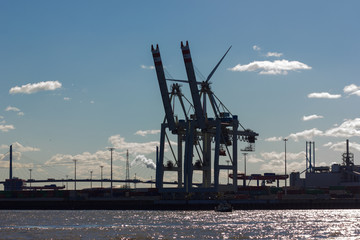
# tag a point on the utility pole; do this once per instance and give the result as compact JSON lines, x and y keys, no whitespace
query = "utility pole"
{"x":101,"y":176}
{"x":75,"y":174}
{"x":111,"y":170}
{"x":285,"y":140}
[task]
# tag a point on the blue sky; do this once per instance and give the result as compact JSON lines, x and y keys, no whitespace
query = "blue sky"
{"x":76,"y":78}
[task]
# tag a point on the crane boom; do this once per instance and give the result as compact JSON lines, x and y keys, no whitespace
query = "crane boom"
{"x":217,"y":65}
{"x":163,"y":87}
{"x":193,"y":85}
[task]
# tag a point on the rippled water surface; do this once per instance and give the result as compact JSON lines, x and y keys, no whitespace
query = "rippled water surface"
{"x":262,"y":224}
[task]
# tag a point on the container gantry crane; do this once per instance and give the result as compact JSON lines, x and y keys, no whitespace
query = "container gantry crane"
{"x":199,"y":133}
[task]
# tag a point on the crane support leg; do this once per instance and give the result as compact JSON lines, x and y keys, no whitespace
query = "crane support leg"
{"x":180,"y":143}
{"x":216,"y":156}
{"x":206,"y":160}
{"x":188,"y":165}
{"x":160,"y":160}
{"x":235,"y":152}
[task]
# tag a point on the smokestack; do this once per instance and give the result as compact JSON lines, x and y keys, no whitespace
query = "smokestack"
{"x":10,"y":177}
{"x":307,"y":159}
{"x":347,"y":153}
{"x":311,"y":167}
{"x":313,"y":154}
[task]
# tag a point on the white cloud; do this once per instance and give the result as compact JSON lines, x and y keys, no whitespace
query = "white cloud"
{"x":92,"y":102}
{"x":20,"y":148}
{"x":324,"y":95}
{"x":281,"y":155}
{"x":275,"y":162}
{"x":1,"y":117}
{"x":256,"y":48}
{"x":311,"y":117}
{"x":67,"y":99}
{"x":278,"y":166}
{"x":5,"y":164}
{"x":6,"y":157}
{"x":328,"y":144}
{"x":274,"y":139}
{"x":97,"y":158}
{"x":6,"y":128}
{"x":137,"y":148}
{"x":147,"y":67}
{"x":13,"y":109}
{"x":348,"y":128}
{"x":341,"y":146}
{"x":119,"y":143}
{"x":147,"y":132}
{"x":306,"y":134}
{"x":252,"y":159}
{"x":36,"y":87}
{"x":87,"y":161}
{"x":274,"y":54}
{"x":17,"y":147}
{"x":271,"y":68}
{"x":352,"y":89}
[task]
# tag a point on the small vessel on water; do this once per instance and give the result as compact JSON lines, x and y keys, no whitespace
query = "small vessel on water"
{"x":224,"y":207}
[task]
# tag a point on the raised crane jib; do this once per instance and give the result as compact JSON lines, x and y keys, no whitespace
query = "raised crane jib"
{"x":217,"y":65}
{"x":163,"y":87}
{"x":193,"y":85}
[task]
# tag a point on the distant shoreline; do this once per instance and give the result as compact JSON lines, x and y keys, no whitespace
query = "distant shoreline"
{"x":135,"y":204}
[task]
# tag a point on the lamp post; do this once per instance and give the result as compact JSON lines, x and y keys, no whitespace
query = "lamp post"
{"x":30,"y":176}
{"x":111,"y":170}
{"x":228,"y":161}
{"x":244,"y":169}
{"x":285,"y":140}
{"x":67,"y":176}
{"x":75,"y":174}
{"x":91,"y":179}
{"x":101,"y":175}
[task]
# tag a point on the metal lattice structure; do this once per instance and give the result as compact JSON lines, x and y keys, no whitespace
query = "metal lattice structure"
{"x":204,"y":137}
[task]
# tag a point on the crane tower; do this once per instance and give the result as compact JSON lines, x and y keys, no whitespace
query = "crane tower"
{"x":206,"y":139}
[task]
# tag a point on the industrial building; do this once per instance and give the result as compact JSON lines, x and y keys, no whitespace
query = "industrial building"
{"x":345,"y":174}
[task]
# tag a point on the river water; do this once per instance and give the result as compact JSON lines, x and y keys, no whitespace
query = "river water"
{"x":259,"y":224}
